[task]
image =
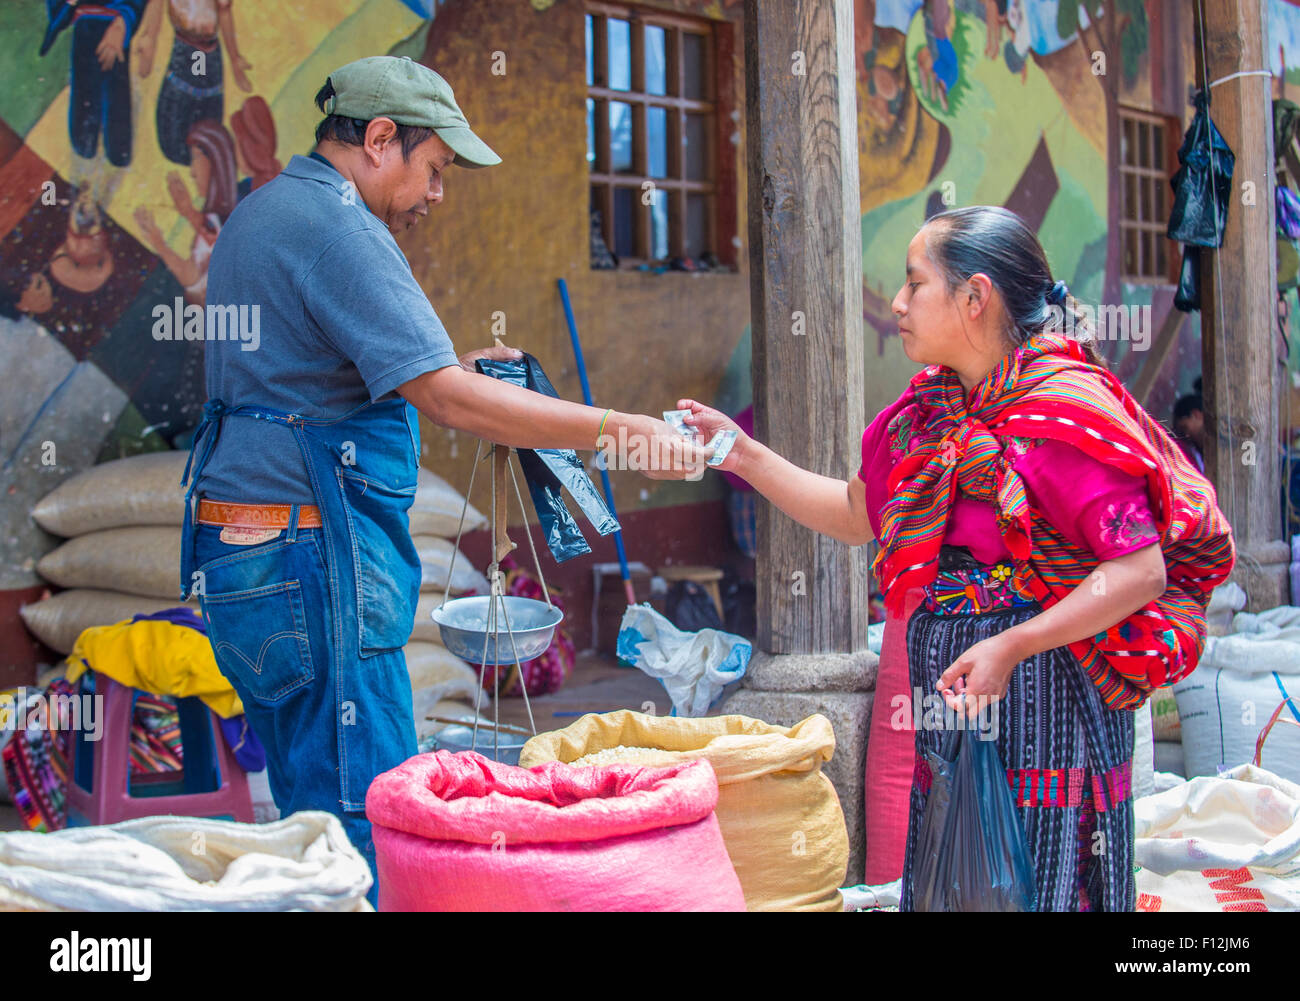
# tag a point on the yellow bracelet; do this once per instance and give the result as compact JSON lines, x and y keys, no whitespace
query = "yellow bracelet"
{"x":601,"y":433}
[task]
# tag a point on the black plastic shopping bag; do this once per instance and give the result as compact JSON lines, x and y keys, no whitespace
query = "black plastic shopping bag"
{"x":971,"y":853}
{"x":546,"y":470}
{"x":1203,"y":184}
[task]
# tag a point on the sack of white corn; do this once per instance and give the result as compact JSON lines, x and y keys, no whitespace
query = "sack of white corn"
{"x":780,"y":817}
{"x":59,"y":620}
{"x":141,"y":559}
{"x":437,"y":508}
{"x":140,"y":490}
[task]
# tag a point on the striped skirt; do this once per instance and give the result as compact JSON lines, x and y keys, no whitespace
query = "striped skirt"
{"x":1067,"y":756}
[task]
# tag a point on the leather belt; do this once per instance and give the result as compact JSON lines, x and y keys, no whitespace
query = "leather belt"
{"x":232,"y":514}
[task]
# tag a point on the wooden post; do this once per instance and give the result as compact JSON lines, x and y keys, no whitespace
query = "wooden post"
{"x":805,"y":246}
{"x":1241,"y":370}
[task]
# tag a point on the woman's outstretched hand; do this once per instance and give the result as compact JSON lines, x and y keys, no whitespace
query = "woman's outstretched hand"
{"x":709,"y":422}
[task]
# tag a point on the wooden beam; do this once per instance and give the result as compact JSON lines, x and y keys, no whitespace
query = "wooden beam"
{"x":805,"y":246}
{"x":1241,"y":373}
{"x":1158,"y":355}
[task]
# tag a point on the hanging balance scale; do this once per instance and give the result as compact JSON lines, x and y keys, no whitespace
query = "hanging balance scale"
{"x":497,"y":630}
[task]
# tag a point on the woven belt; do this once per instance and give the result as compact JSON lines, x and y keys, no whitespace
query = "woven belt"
{"x":231,"y":514}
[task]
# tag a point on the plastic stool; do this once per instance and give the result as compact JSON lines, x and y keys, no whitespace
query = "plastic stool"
{"x":99,"y":783}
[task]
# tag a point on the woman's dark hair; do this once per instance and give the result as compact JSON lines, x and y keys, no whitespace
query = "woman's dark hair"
{"x":352,"y":131}
{"x":996,"y":242}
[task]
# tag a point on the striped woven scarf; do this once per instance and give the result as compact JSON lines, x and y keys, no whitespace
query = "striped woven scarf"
{"x":1047,"y":389}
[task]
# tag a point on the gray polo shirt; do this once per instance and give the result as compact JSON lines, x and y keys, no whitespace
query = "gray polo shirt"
{"x":340,"y":320}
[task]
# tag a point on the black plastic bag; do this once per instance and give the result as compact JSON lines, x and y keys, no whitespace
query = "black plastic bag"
{"x":548,"y":469}
{"x":1203,"y":184}
{"x":1188,"y":296}
{"x":971,"y":853}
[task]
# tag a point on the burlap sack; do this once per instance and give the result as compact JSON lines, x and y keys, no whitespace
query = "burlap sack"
{"x":436,"y":558}
{"x":58,"y":621}
{"x":780,"y":817}
{"x":424,"y":628}
{"x":140,"y":490}
{"x":141,"y":559}
{"x":437,"y":508}
{"x":430,"y":664}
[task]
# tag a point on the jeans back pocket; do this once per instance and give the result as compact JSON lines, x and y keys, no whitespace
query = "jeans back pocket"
{"x":260,"y":635}
{"x":385,"y":562}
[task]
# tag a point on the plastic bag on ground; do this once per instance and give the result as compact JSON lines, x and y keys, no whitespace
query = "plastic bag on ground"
{"x":693,"y":667}
{"x":971,"y":853}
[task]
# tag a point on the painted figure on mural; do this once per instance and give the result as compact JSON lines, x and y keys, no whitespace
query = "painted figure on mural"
{"x":84,"y":261}
{"x":936,"y":62}
{"x":254,"y":129}
{"x":100,"y":99}
{"x":212,"y":167}
{"x":193,"y":89}
{"x":882,"y":69}
{"x":22,"y":292}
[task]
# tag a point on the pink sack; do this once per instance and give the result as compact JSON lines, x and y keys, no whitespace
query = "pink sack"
{"x":891,"y":754}
{"x":460,"y":832}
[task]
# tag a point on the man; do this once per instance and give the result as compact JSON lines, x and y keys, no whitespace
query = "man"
{"x":1189,"y":427}
{"x":306,"y":461}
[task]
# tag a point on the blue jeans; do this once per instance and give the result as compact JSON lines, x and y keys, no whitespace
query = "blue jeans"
{"x":268,"y":616}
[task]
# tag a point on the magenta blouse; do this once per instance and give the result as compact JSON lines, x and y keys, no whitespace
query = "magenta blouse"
{"x":1092,"y":504}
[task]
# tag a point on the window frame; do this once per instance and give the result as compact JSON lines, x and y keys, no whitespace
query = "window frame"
{"x":717,"y":104}
{"x":1161,"y":177}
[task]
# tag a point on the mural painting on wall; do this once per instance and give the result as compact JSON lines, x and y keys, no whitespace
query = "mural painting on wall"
{"x":129,"y":131}
{"x":936,"y":79}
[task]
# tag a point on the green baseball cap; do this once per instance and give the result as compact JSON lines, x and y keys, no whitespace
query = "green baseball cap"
{"x":410,"y":94}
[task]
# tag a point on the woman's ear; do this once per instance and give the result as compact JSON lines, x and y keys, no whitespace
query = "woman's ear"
{"x":979,"y":294}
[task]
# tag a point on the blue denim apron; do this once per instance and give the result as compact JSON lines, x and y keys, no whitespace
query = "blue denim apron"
{"x":363,"y":470}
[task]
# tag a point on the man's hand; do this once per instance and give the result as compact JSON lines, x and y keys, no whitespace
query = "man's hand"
{"x":651,"y":447}
{"x":499,"y":353}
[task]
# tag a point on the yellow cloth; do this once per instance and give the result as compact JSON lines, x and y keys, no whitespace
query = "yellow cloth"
{"x":158,"y":657}
{"x":780,"y":817}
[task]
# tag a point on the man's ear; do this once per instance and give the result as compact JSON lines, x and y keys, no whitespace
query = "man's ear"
{"x":380,"y":132}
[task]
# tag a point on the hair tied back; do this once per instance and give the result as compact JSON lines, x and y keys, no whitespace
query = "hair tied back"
{"x":1056,"y":295}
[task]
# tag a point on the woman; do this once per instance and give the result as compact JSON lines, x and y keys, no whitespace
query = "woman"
{"x":1062,"y":546}
{"x":212,"y":166}
{"x":193,"y":88}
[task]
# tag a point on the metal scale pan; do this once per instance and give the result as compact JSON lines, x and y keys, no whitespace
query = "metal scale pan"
{"x":472,"y":627}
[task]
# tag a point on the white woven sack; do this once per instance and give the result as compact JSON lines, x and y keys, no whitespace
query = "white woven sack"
{"x":304,"y":862}
{"x":1220,"y":843}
